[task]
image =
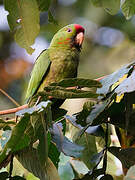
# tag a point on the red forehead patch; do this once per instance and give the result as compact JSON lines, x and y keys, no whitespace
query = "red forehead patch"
{"x":79,"y":28}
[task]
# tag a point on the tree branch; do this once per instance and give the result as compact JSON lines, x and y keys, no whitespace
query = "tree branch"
{"x":9,"y":97}
{"x":13,"y":110}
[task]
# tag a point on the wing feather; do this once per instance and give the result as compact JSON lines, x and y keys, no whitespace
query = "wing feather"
{"x":40,"y":69}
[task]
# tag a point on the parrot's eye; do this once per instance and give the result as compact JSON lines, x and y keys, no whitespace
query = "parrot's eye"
{"x":69,"y":30}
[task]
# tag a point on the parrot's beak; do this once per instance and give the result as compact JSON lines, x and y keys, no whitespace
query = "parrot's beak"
{"x":79,"y":39}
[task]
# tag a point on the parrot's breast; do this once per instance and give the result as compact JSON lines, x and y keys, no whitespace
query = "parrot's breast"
{"x":64,"y":64}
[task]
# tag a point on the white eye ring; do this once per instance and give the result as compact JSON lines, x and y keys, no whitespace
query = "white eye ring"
{"x":69,"y":30}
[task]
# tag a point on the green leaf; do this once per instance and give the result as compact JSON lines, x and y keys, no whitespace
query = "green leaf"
{"x":130,"y":174}
{"x":92,"y":130}
{"x":93,"y":119}
{"x":111,"y":6}
{"x":4,"y":175}
{"x":4,"y":124}
{"x":43,"y":136}
{"x":90,"y":109}
{"x":97,"y":115}
{"x":96,"y":158}
{"x":15,"y":138}
{"x":44,"y":4}
{"x":126,"y":155}
{"x":79,"y":167}
{"x":64,"y":169}
{"x":66,"y":172}
{"x":71,"y":82}
{"x":29,"y":159}
{"x":35,"y":109}
{"x":51,"y":19}
{"x":42,"y":148}
{"x":23,"y":20}
{"x":87,"y":141}
{"x":127,"y":85}
{"x":49,"y":120}
{"x":109,"y":80}
{"x":30,"y":176}
{"x":128,"y":8}
{"x":40,"y":129}
{"x":54,"y":154}
{"x":81,"y":116}
{"x":63,"y":143}
{"x":62,"y":93}
{"x":23,"y":142}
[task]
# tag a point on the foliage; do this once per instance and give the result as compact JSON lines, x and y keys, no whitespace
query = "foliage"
{"x":113,"y":6}
{"x":24,"y":15}
{"x":23,"y":20}
{"x":113,"y":95}
{"x":24,"y":23}
{"x":49,"y":131}
{"x":111,"y":101}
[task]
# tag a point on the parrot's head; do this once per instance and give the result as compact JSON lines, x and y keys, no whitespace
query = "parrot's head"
{"x":70,"y":36}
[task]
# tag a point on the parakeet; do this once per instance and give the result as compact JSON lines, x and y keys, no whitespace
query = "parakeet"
{"x":59,"y":61}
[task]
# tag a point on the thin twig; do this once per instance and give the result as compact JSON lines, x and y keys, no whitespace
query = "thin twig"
{"x":100,"y":78}
{"x":13,"y":110}
{"x":9,"y":97}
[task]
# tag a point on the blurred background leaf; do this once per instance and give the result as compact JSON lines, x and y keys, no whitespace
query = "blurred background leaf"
{"x":23,"y":20}
{"x":111,"y":6}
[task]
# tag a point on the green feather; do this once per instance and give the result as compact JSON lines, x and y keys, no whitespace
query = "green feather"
{"x":39,"y":70}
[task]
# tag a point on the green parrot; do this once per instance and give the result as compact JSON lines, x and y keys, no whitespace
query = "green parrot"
{"x":59,"y":61}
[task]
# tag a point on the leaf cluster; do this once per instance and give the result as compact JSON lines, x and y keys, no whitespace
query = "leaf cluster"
{"x":113,"y":6}
{"x":24,"y":16}
{"x":24,"y":20}
{"x":115,"y":106}
{"x":39,"y":131}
